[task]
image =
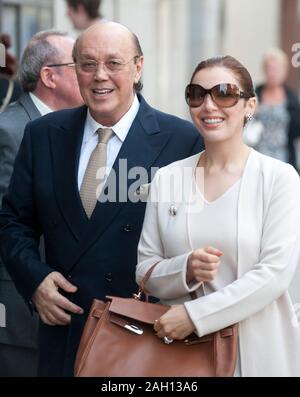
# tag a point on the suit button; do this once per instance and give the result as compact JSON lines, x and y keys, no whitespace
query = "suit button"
{"x":69,"y":276}
{"x":108,"y":277}
{"x":127,"y":228}
{"x":54,"y":223}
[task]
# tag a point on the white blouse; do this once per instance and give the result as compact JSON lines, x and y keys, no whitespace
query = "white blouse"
{"x":216,"y":225}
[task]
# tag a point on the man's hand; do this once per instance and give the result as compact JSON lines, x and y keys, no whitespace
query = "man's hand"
{"x":50,"y":304}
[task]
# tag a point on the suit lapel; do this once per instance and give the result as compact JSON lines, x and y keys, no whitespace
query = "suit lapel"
{"x":249,"y":216}
{"x":29,"y":106}
{"x":141,"y":147}
{"x":65,"y":150}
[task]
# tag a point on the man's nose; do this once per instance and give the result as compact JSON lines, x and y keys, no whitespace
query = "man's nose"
{"x":101,"y":72}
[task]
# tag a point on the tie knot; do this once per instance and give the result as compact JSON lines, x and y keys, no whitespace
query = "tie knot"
{"x":104,"y":135}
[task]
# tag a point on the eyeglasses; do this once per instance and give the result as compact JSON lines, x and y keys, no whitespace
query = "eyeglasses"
{"x":111,"y":66}
{"x":224,"y":95}
{"x":55,"y":65}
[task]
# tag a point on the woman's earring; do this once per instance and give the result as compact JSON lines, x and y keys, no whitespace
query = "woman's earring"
{"x":247,"y":118}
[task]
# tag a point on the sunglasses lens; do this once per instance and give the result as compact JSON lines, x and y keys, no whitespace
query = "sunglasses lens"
{"x":225,"y":95}
{"x":194,"y":95}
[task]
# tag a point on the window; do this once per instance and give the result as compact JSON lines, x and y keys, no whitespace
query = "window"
{"x":23,"y":18}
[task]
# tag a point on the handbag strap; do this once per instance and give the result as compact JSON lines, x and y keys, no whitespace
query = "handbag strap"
{"x":142,"y":289}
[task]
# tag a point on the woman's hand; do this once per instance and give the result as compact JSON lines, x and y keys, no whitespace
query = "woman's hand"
{"x":203,"y":264}
{"x":175,"y":324}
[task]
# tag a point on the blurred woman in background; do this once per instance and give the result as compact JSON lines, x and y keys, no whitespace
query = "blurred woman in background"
{"x":278,"y":111}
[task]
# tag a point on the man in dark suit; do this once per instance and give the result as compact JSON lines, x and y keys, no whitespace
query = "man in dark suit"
{"x":46,"y":88}
{"x":91,"y":246}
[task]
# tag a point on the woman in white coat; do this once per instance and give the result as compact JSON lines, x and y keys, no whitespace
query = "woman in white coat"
{"x":226,"y":224}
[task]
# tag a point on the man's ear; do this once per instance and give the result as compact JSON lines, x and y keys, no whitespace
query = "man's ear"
{"x":48,"y":77}
{"x":139,"y":69}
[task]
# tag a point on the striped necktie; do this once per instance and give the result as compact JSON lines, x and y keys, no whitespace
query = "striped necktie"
{"x":92,"y":186}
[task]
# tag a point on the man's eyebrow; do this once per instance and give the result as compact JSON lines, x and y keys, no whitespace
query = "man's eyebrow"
{"x":87,"y":56}
{"x":112,"y":55}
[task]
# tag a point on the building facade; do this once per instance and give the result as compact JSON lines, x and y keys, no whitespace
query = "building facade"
{"x":175,"y":35}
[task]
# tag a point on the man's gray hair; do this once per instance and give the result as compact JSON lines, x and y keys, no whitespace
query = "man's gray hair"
{"x":38,"y":53}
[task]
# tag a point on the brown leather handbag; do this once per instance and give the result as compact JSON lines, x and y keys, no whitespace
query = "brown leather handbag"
{"x":119,"y":340}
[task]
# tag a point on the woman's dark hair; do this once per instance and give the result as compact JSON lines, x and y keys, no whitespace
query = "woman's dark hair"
{"x":91,"y":6}
{"x":230,"y":63}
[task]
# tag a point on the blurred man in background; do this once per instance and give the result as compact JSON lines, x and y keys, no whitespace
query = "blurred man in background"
{"x":84,"y":13}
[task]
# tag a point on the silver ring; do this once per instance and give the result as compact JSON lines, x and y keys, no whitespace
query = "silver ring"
{"x":167,"y":340}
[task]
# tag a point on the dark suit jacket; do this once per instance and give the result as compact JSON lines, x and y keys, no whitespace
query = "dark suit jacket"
{"x":21,"y":327}
{"x":98,"y":255}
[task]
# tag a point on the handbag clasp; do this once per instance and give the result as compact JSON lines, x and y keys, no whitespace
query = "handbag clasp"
{"x":134,"y":328}
{"x":137,"y":296}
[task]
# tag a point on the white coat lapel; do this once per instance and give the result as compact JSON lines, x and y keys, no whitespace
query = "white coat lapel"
{"x":250,"y":214}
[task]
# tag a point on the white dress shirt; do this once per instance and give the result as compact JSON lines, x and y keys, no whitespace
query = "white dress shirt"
{"x":90,"y":139}
{"x":41,"y":106}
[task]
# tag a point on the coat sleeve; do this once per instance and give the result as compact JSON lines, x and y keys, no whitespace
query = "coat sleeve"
{"x":8,"y":152}
{"x":168,"y":279}
{"x":268,"y":279}
{"x":19,"y":227}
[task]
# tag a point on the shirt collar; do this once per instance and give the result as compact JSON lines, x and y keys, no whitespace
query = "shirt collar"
{"x":41,"y":106}
{"x":122,"y":127}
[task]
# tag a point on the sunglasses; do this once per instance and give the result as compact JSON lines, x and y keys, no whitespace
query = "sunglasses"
{"x":224,"y":95}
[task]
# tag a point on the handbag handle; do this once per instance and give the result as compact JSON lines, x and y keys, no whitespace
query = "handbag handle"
{"x":142,"y":289}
